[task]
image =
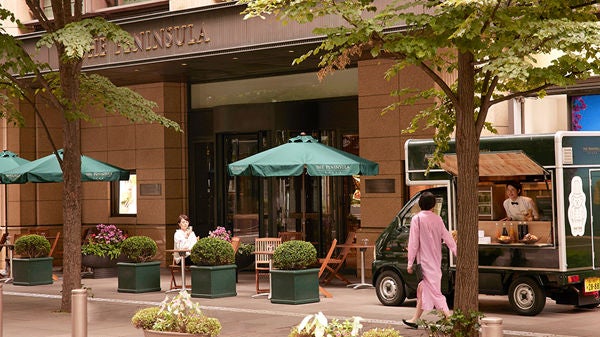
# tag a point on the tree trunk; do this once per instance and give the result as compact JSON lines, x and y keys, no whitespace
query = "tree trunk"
{"x":467,"y":151}
{"x":71,"y":166}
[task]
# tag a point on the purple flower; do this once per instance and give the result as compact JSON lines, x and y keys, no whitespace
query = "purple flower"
{"x":220,"y":233}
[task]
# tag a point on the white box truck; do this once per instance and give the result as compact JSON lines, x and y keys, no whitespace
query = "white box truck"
{"x":560,"y":172}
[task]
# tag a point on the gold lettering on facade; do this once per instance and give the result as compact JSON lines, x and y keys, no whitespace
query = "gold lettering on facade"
{"x":98,"y":47}
{"x":192,"y":40}
{"x":179,"y":35}
{"x":158,"y":38}
{"x":138,"y":42}
{"x":151,"y":40}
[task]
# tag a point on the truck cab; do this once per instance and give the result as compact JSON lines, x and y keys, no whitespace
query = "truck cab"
{"x":557,"y":171}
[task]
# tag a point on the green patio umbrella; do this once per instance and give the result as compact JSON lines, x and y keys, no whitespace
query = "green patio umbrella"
{"x":9,"y":161}
{"x":47,"y":170}
{"x":303,"y":155}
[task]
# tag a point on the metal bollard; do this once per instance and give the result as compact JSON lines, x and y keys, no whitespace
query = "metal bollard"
{"x":79,"y":313}
{"x":491,"y":327}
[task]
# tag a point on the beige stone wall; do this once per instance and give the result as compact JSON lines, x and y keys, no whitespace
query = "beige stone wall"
{"x":158,"y":155}
{"x":382,"y":140}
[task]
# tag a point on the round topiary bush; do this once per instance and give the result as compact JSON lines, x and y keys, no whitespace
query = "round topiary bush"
{"x":32,"y":246}
{"x":139,"y":248}
{"x":212,"y":252}
{"x":294,"y":254}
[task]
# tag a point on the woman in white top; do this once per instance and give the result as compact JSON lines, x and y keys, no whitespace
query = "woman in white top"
{"x":184,"y":238}
{"x":517,"y":207}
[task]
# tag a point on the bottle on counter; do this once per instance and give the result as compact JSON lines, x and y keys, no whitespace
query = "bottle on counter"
{"x":512,"y":233}
{"x":498,"y":231}
{"x":520,"y":233}
{"x":504,"y":230}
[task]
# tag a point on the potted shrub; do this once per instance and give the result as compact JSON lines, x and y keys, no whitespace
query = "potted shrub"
{"x":102,"y":250}
{"x":214,"y":270}
{"x":141,"y":274}
{"x":33,"y":266}
{"x":292,"y":281}
{"x":177,"y":316}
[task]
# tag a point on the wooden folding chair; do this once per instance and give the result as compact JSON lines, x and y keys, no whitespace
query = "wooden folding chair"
{"x":335,"y":263}
{"x":324,"y":263}
{"x":235,"y":244}
{"x":263,"y":252}
{"x":176,"y":272}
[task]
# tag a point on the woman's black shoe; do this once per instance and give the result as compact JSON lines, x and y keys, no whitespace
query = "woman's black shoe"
{"x":410,"y":324}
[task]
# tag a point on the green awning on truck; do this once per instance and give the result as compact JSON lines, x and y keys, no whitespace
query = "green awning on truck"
{"x":498,"y":164}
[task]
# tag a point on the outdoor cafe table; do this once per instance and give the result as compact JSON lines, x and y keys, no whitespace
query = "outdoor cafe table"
{"x":182,"y":253}
{"x":362,"y":248}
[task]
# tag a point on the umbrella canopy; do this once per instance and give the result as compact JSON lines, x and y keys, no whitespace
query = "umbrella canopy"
{"x":9,"y":161}
{"x":302,"y":152}
{"x":47,"y":170}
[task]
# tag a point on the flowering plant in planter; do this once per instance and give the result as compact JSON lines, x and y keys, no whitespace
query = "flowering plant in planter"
{"x":106,"y":241}
{"x":318,"y":326}
{"x":220,"y":233}
{"x":177,"y":314}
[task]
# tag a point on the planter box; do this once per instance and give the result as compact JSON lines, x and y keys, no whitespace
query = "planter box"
{"x":102,"y":266}
{"x":138,"y":277}
{"x":213,"y":281}
{"x":295,"y":286}
{"x":32,"y":272}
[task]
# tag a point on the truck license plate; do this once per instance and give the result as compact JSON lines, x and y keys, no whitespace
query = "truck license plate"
{"x":592,"y":284}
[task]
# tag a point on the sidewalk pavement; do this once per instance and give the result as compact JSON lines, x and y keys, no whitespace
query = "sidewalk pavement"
{"x":32,"y":311}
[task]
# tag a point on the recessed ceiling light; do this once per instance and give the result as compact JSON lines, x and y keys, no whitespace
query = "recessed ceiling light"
{"x":290,"y":51}
{"x":184,"y":64}
{"x":234,"y":58}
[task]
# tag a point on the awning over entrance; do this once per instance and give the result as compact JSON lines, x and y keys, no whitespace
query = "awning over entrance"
{"x":497,"y":164}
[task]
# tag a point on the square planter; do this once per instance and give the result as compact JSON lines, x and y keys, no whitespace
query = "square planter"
{"x":295,"y":286}
{"x":213,"y":281}
{"x":138,"y":277}
{"x":32,"y":272}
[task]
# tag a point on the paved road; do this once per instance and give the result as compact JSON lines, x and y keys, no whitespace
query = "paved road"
{"x":31,"y":312}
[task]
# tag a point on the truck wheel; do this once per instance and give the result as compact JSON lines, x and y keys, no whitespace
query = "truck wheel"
{"x":390,"y":288}
{"x":526,"y":296}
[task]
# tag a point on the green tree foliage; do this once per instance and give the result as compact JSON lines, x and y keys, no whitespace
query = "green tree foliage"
{"x":70,"y":93}
{"x":477,"y":52}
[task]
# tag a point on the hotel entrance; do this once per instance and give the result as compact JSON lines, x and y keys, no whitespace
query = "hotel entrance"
{"x":260,"y":207}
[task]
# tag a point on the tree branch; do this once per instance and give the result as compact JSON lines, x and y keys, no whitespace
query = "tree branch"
{"x":519,"y":94}
{"x":486,"y":102}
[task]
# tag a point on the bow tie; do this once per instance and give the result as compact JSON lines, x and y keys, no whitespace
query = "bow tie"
{"x":514,"y":203}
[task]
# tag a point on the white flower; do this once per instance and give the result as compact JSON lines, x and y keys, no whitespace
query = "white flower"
{"x":356,"y":326}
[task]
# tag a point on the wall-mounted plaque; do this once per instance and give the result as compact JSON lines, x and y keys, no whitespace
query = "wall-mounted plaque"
{"x":380,"y":185}
{"x":150,"y":189}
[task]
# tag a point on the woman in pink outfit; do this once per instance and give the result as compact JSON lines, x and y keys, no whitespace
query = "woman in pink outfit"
{"x":427,"y":232}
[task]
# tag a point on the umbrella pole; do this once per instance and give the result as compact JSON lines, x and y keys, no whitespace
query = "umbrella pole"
{"x":6,"y":209}
{"x":303,"y":206}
